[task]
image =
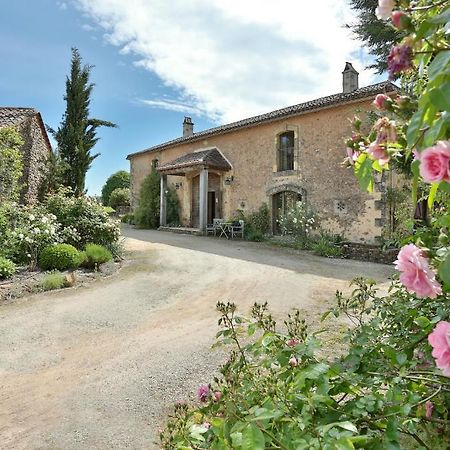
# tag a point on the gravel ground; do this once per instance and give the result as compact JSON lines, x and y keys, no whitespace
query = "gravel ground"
{"x":100,"y":366}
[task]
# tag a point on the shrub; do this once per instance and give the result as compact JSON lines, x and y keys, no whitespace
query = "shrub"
{"x":95,"y":255}
{"x":147,"y":213}
{"x":11,"y":164}
{"x":298,"y":221}
{"x":26,"y":230}
{"x":7,"y":268}
{"x":120,"y":179}
{"x":53,"y":280}
{"x":119,"y":197}
{"x":128,"y":218}
{"x":59,"y":257}
{"x":82,"y":219}
{"x":256,"y":223}
{"x":324,"y":246}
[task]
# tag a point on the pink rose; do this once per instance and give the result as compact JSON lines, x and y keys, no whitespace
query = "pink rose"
{"x":217,"y":396}
{"x":380,"y":101}
{"x":429,"y":409}
{"x":203,"y":393}
{"x":384,"y":9}
{"x":439,"y":339}
{"x":417,"y":276}
{"x":293,"y":362}
{"x":379,"y":153}
{"x":401,"y":20}
{"x":435,"y":163}
{"x":292,"y":342}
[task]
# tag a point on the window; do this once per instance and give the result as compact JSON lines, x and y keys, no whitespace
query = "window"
{"x":155,"y":163}
{"x":286,"y":151}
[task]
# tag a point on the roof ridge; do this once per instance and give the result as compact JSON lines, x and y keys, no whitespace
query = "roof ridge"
{"x":308,"y":106}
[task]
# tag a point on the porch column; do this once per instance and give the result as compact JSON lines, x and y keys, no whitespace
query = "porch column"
{"x":203,"y":204}
{"x":163,"y":202}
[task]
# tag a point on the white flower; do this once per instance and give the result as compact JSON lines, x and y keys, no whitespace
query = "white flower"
{"x":384,"y":9}
{"x":20,"y":236}
{"x":44,"y":219}
{"x":31,"y":217}
{"x":36,"y":231}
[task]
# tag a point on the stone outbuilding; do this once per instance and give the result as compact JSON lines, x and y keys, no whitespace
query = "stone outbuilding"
{"x":278,"y":158}
{"x":36,"y":148}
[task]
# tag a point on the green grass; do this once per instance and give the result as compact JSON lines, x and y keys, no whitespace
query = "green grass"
{"x":53,"y":280}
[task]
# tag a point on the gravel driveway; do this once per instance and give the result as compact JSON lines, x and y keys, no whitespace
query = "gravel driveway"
{"x":100,"y":366}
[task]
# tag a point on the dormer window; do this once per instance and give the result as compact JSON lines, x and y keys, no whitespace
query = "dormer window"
{"x":155,"y":163}
{"x":286,"y":151}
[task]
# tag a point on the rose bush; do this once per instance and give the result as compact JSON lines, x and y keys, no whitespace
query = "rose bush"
{"x":391,"y":387}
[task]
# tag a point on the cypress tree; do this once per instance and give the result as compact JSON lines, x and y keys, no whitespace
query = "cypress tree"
{"x":376,"y":34}
{"x":77,"y":133}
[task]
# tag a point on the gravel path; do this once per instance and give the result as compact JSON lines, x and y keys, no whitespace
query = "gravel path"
{"x":100,"y":366}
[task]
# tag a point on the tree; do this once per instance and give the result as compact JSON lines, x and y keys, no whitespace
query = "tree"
{"x":77,"y":133}
{"x":11,"y":164}
{"x":147,"y":213}
{"x":119,"y":197}
{"x":120,"y":179}
{"x":376,"y":34}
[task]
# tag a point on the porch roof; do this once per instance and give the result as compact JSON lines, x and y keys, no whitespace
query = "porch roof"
{"x":209,"y":159}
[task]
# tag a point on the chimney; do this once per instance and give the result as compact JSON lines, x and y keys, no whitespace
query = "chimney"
{"x":349,"y":78}
{"x":188,"y":127}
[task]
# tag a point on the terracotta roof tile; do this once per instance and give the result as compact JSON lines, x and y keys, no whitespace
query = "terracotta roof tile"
{"x":211,"y":159}
{"x":313,"y":105}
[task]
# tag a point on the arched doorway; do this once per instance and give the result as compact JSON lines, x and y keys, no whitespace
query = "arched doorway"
{"x":282,"y":202}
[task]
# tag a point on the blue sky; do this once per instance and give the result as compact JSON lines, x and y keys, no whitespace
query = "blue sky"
{"x":156,"y":61}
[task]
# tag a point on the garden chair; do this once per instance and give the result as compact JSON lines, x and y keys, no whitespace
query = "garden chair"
{"x":237,"y":230}
{"x":215,"y":227}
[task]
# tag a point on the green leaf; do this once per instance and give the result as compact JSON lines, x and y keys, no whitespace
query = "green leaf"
{"x":345,"y":425}
{"x":437,"y":130}
{"x":440,"y":97}
{"x":265,"y":414}
{"x":253,"y":438}
{"x":363,"y":171}
{"x":344,"y":444}
{"x":401,"y":358}
{"x":422,"y":322}
{"x":414,"y":127}
{"x":432,"y":194}
{"x":437,"y":67}
{"x":444,"y":17}
{"x":444,"y":270}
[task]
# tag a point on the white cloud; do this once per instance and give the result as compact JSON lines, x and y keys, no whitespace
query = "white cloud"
{"x":173,"y":105}
{"x":235,"y":58}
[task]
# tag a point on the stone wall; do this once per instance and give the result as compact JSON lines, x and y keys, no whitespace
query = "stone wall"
{"x":35,"y":154}
{"x":330,"y":190}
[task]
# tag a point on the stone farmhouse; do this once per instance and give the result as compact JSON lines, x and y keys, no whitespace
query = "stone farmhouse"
{"x":36,"y":147}
{"x":287,"y":155}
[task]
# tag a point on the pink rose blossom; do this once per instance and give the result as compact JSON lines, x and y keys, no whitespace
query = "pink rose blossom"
{"x":380,"y":101}
{"x":217,"y":396}
{"x":401,"y":20}
{"x":379,"y":153}
{"x":416,"y":274}
{"x":206,"y":425}
{"x":435,"y":163}
{"x":399,"y":59}
{"x":386,"y":131}
{"x":293,"y":362}
{"x":203,"y":393}
{"x":429,"y":409}
{"x":292,"y":342}
{"x":384,"y":9}
{"x":439,"y":339}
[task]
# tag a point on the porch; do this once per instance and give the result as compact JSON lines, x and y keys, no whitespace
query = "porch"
{"x":202,"y":192}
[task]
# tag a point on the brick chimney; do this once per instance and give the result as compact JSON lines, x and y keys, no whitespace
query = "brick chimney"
{"x":188,"y":127}
{"x":349,"y":78}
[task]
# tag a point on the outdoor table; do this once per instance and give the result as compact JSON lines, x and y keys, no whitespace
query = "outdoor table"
{"x":225,"y":229}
